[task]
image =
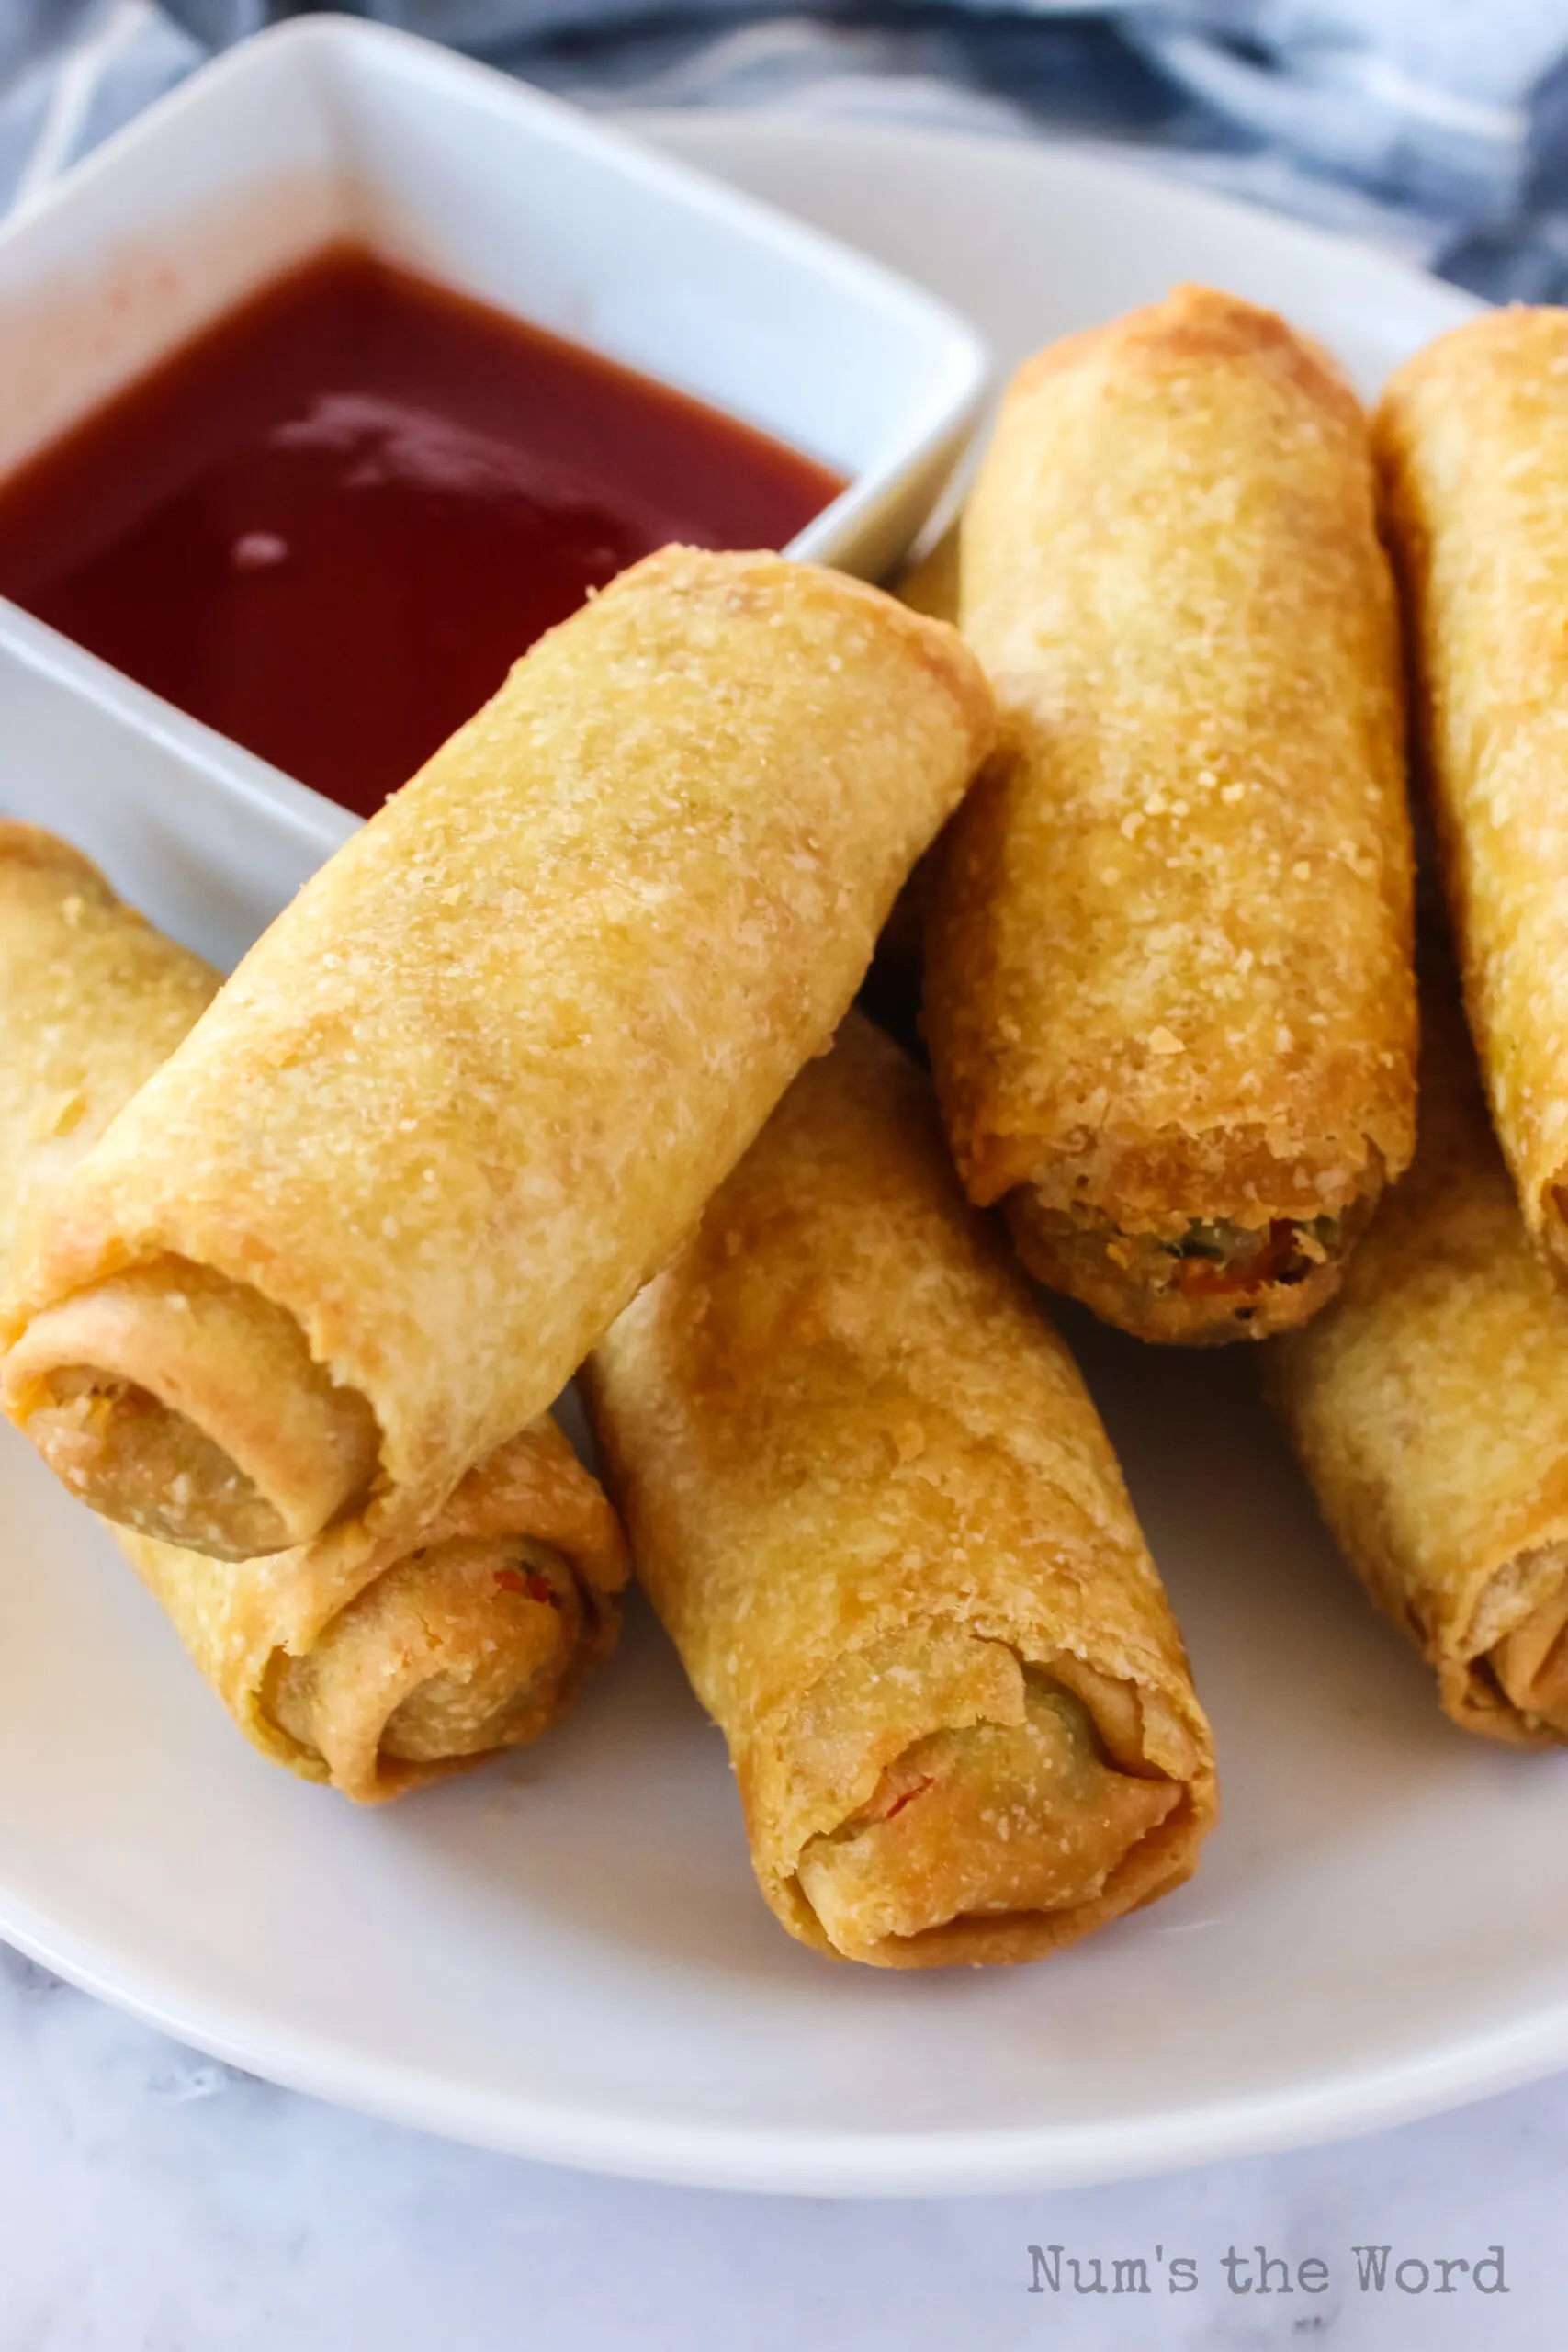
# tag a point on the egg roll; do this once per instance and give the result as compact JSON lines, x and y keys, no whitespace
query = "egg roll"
{"x":879,"y":1517}
{"x":92,"y":1001}
{"x":1168,"y":990}
{"x":479,"y":1078}
{"x":1471,"y":441}
{"x":364,"y":1664}
{"x":1428,"y":1406}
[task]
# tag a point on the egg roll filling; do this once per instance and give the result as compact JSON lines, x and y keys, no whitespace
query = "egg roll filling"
{"x":189,"y":1408}
{"x":1196,"y":1269}
{"x":425,"y":1668}
{"x":992,"y":1818}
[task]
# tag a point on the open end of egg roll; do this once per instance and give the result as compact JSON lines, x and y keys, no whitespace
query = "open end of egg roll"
{"x":1043,"y":1814}
{"x":378,"y":1667}
{"x":1531,"y":1662}
{"x":872,"y":1503}
{"x":968,"y":1826}
{"x":474,"y":1083}
{"x":1509,"y":1679}
{"x":1203,"y":1280}
{"x":189,"y":1408}
{"x":463,"y":1648}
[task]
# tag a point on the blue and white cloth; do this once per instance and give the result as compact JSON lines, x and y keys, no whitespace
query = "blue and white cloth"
{"x":1438,"y":127}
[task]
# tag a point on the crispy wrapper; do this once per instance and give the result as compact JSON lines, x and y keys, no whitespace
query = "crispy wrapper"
{"x":93,"y":1000}
{"x":475,"y":1083}
{"x":1472,"y":440}
{"x":876,"y":1510}
{"x":370,"y":1666}
{"x":379,"y":1665}
{"x":1429,"y":1407}
{"x":1169,"y":988}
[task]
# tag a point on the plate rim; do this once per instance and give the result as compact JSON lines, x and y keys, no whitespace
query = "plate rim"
{"x":778,"y":2160}
{"x":1116,"y":165}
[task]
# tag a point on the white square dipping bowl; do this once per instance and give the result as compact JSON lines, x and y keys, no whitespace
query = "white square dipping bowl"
{"x":327,"y":128}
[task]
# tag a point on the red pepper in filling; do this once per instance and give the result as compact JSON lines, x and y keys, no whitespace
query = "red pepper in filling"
{"x":530,"y":1583}
{"x":907,"y":1798}
{"x":1202,"y":1278}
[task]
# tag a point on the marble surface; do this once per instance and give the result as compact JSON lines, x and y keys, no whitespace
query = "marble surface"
{"x":154,"y":2201}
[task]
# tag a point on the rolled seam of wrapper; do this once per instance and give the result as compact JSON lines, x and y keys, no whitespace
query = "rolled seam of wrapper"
{"x":480,"y":1077}
{"x":1472,"y":438}
{"x":1489,"y":1645}
{"x":1168,"y":977}
{"x":531,"y":1490}
{"x":840,"y":1429}
{"x":259,"y":1439}
{"x":1429,"y":1407}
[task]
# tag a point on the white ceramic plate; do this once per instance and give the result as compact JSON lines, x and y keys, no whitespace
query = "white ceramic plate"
{"x":565,"y":1955}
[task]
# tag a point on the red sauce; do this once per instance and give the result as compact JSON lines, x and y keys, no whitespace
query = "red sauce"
{"x":330,"y":524}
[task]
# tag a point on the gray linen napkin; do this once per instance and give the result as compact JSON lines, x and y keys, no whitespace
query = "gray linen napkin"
{"x":1439,"y":127}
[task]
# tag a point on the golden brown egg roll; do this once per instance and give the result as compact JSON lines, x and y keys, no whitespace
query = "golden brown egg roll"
{"x":1428,"y":1406}
{"x":363,"y":1665}
{"x":878,"y":1514}
{"x":478,"y":1080}
{"x":1168,"y":988}
{"x":92,"y":1000}
{"x":1471,"y":439}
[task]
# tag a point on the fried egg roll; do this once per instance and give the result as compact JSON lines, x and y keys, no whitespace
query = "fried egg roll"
{"x":1429,"y":1407}
{"x":879,"y":1517}
{"x":92,"y":1001}
{"x":1471,"y":439}
{"x":370,"y":1666}
{"x":476,"y":1082}
{"x":1168,"y":988}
